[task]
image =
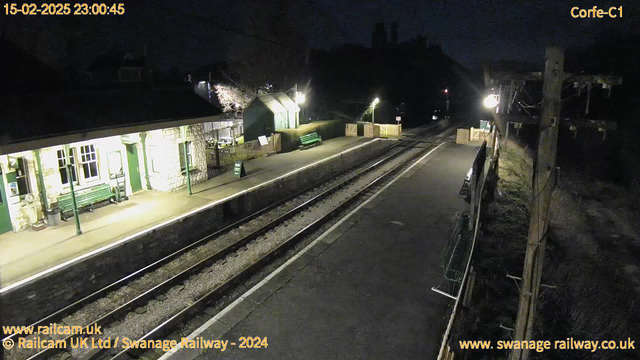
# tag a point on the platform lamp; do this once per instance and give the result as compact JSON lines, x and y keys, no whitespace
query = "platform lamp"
{"x":183,"y":130}
{"x":373,"y":109}
{"x":73,"y":193}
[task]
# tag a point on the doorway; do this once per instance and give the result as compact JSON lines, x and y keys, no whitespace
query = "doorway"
{"x":134,"y":168}
{"x":5,"y":218}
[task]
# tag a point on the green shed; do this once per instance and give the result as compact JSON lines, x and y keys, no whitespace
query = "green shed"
{"x":268,"y":113}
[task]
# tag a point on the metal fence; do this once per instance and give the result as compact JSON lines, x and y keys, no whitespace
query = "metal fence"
{"x":482,"y":181}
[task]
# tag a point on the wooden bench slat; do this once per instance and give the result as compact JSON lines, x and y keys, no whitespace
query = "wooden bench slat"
{"x":309,"y":139}
{"x":85,"y":197}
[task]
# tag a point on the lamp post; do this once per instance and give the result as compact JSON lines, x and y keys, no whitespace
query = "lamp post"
{"x":73,"y":192}
{"x":490,"y":101}
{"x":373,"y":110}
{"x":300,"y":99}
{"x":446,"y":92}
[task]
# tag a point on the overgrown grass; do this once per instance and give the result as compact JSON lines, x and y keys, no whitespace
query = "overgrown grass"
{"x":592,"y":265}
{"x":499,"y":252}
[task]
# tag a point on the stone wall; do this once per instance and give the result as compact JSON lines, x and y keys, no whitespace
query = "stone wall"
{"x":163,"y":147}
{"x":38,"y":298}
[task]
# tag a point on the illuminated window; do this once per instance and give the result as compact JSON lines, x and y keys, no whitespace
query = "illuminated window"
{"x":181,"y":149}
{"x":62,"y":166}
{"x":89,"y":160}
{"x":22,"y":176}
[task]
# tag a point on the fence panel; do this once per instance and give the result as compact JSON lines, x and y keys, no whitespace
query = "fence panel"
{"x":351,"y":130}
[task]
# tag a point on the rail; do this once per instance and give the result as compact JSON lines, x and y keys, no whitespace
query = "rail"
{"x":220,"y":290}
{"x":165,"y":285}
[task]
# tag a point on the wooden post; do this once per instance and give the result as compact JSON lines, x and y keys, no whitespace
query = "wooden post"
{"x":506,"y":140}
{"x":586,"y":108}
{"x":512,"y":89}
{"x":542,"y":188}
{"x":217,"y":153}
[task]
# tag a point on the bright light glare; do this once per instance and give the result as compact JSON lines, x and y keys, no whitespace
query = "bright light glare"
{"x":375,"y":101}
{"x":300,"y":98}
{"x":491,"y":101}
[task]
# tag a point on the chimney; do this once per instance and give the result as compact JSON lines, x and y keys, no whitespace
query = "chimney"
{"x":394,"y":33}
{"x":379,"y":36}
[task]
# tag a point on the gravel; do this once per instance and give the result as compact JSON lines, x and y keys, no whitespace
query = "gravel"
{"x":145,"y":318}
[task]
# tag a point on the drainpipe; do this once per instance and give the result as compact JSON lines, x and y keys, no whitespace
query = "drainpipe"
{"x":143,"y":138}
{"x":186,"y":163}
{"x":73,"y":193}
{"x":43,"y":191}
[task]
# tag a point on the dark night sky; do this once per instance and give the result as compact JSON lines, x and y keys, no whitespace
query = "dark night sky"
{"x":469,"y":31}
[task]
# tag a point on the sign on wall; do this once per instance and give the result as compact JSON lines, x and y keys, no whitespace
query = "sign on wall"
{"x":13,"y":189}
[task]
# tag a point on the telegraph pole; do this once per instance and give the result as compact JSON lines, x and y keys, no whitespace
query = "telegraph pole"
{"x":544,"y":168}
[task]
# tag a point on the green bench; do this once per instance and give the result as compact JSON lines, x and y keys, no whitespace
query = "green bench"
{"x":85,"y":197}
{"x":310,"y":139}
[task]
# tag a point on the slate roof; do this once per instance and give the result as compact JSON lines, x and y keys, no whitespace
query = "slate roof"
{"x":38,"y":116}
{"x":277,"y":102}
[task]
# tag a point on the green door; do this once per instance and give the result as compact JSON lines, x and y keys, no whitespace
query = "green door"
{"x":134,"y":169}
{"x":5,"y":219}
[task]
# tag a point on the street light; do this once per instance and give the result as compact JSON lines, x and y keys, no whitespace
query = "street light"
{"x":490,"y":101}
{"x":446,"y":91}
{"x":373,"y":109}
{"x":300,"y":98}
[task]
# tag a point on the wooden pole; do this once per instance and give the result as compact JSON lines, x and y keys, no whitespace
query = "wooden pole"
{"x":506,"y":141}
{"x":542,"y":188}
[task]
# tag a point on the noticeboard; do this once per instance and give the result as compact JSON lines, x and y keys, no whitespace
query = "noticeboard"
{"x":238,"y":169}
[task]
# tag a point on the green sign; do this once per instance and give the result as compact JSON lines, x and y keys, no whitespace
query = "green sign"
{"x":238,"y":169}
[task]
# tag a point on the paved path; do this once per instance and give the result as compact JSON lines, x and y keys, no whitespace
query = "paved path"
{"x":28,"y":252}
{"x":363,"y":290}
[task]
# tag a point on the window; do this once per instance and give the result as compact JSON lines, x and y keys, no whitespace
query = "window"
{"x":181,"y":149}
{"x":129,"y":74}
{"x":22,"y":176}
{"x":89,"y":160}
{"x":62,"y":166}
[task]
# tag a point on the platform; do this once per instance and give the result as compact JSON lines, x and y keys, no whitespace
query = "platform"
{"x":362,"y":290}
{"x":27,"y":253}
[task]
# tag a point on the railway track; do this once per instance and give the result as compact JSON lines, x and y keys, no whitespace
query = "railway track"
{"x":166,"y":327}
{"x":157,"y":290}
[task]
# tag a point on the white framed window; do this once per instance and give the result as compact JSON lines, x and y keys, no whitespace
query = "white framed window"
{"x":62,"y":166}
{"x":89,"y":161}
{"x":182,"y":162}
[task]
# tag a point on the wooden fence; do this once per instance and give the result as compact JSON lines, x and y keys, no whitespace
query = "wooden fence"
{"x":351,"y":130}
{"x":390,"y":129}
{"x":377,"y":130}
{"x":462,"y":136}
